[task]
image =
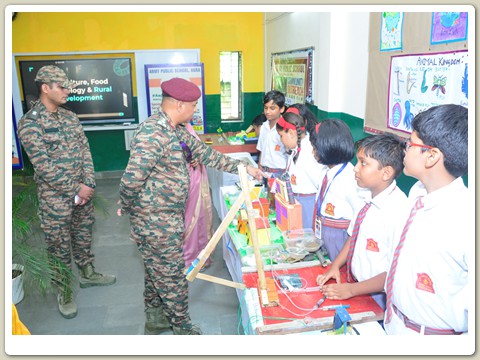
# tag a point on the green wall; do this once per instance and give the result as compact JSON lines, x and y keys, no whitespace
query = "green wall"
{"x":252,"y":106}
{"x":108,"y":147}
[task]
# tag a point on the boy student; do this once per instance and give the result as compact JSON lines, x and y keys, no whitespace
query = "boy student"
{"x":258,"y":122}
{"x":272,"y":158}
{"x":428,"y":284}
{"x":372,"y":236}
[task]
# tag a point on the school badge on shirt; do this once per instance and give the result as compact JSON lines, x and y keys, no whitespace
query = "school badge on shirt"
{"x":372,"y":245}
{"x":330,"y":209}
{"x":277,"y":147}
{"x":293,"y":180}
{"x":424,"y":283}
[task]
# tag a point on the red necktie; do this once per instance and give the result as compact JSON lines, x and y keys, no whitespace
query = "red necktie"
{"x":323,"y":188}
{"x":391,"y":274}
{"x":353,"y":240}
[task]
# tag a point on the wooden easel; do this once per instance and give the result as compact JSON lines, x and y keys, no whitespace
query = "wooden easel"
{"x":268,"y":296}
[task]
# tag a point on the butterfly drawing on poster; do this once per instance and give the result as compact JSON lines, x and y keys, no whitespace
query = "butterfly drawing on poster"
{"x":439,"y":83}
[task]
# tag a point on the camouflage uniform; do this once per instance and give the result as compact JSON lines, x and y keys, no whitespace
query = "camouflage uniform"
{"x":154,"y":190}
{"x":60,"y":155}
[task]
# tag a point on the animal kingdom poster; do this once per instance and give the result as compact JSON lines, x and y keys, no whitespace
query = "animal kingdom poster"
{"x":420,"y":81}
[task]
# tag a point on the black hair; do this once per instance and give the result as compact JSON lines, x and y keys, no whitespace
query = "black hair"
{"x":298,"y":121}
{"x":277,"y":97}
{"x":387,"y":148}
{"x":446,"y":128}
{"x":310,"y":120}
{"x":259,"y":119}
{"x":332,"y":142}
{"x":39,"y":84}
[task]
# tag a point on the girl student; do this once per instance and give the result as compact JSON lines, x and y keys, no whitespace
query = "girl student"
{"x":302,"y":169}
{"x":340,"y":196}
{"x":310,"y":119}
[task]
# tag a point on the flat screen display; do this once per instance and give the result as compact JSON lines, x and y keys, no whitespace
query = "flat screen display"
{"x":104,"y":91}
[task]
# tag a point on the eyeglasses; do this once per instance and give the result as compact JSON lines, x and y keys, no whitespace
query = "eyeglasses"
{"x":409,"y":144}
{"x":187,"y":153}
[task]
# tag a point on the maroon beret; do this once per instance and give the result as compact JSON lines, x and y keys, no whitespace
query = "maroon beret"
{"x":181,"y":89}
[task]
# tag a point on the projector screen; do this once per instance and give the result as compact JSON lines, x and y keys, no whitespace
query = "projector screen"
{"x":104,"y":92}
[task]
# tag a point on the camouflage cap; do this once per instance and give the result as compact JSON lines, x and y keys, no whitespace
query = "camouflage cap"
{"x":51,"y":73}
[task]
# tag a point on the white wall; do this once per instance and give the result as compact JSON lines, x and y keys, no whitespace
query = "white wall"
{"x":340,"y":40}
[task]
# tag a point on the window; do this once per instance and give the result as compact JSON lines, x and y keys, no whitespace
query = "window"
{"x":231,"y":85}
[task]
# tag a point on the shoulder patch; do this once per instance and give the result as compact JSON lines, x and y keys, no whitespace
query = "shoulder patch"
{"x":162,"y":120}
{"x":33,"y":114}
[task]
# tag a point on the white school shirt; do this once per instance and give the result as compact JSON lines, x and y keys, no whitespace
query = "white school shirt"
{"x":431,"y":286}
{"x":417,"y":189}
{"x":306,"y":174}
{"x":272,"y":150}
{"x":378,"y":233}
{"x":344,"y":196}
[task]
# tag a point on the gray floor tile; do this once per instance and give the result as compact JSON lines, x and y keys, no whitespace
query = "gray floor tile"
{"x":118,"y":309}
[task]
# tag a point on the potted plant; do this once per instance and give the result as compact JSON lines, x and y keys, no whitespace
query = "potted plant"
{"x":32,"y":267}
{"x":31,"y":263}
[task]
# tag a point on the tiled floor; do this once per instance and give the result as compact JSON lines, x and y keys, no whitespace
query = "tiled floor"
{"x":118,"y":309}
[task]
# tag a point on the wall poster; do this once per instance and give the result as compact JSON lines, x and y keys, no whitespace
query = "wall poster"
{"x":448,"y":27}
{"x":292,"y":74}
{"x":16,"y":150}
{"x":391,"y":32}
{"x":420,"y":81}
{"x":156,"y":74}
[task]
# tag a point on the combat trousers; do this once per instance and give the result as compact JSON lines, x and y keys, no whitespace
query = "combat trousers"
{"x":160,"y":244}
{"x":67,"y":228}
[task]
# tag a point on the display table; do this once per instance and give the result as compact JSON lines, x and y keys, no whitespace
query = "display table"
{"x":218,"y":179}
{"x":220,"y":144}
{"x":295,"y":311}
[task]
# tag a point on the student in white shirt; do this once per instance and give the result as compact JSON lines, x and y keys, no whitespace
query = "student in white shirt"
{"x":272,"y":158}
{"x":303,"y":170}
{"x":339,"y":195}
{"x":367,"y":251}
{"x":428,"y":285}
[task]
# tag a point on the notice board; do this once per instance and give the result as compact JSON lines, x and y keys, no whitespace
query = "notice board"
{"x":292,"y":74}
{"x":397,"y":78}
{"x":155,"y":74}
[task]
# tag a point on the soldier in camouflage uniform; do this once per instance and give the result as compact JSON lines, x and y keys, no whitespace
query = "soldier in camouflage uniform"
{"x":153,"y":191}
{"x":53,"y":139}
